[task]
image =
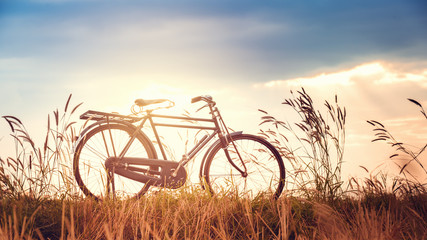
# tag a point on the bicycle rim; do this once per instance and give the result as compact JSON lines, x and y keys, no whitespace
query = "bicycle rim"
{"x":263,"y":164}
{"x":89,"y":162}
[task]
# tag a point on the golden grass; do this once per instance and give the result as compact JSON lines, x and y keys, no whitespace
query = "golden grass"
{"x":193,"y":214}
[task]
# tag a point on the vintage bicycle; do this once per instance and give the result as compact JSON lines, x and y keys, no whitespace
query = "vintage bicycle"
{"x":113,"y":157}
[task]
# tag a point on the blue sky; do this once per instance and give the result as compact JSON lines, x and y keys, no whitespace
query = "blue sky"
{"x":247,"y":54}
{"x":258,"y":41}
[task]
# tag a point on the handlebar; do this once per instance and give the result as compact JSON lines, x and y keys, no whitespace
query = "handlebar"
{"x":205,"y":98}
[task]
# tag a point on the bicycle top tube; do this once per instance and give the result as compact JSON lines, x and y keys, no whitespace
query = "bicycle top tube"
{"x":142,"y":104}
{"x":166,"y":103}
{"x":146,"y":108}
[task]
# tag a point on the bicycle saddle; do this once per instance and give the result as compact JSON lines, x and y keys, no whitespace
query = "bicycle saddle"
{"x":143,"y":102}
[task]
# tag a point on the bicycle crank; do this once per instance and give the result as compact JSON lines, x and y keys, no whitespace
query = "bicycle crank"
{"x":151,"y":171}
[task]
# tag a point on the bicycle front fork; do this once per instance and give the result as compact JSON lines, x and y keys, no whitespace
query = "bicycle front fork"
{"x":230,"y":160}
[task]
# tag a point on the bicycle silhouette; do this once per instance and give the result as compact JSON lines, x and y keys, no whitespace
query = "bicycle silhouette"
{"x":114,"y":157}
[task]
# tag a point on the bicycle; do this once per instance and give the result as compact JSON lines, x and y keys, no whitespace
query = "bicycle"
{"x":114,"y":157}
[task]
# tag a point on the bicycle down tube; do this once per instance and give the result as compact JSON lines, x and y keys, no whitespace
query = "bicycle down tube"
{"x":154,"y":125}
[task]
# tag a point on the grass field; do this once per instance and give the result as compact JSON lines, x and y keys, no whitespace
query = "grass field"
{"x":192,"y":214}
{"x":40,"y":200}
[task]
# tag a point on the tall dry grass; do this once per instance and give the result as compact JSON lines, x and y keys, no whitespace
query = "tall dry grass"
{"x":193,"y":214}
{"x":312,"y":146}
{"x":410,"y":183}
{"x":40,"y":171}
{"x":409,"y":155}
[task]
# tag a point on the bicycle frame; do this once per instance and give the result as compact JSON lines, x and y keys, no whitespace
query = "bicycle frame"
{"x":216,"y":120}
{"x":190,"y":154}
{"x":173,"y":171}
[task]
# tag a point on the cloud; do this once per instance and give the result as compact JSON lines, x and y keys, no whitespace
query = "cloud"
{"x":373,"y":90}
{"x":251,"y":41}
{"x":343,"y":78}
{"x":375,"y":73}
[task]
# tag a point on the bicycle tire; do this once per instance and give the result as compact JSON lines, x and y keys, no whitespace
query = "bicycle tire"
{"x":265,"y":168}
{"x":90,"y":155}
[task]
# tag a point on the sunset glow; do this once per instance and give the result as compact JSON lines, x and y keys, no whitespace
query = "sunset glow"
{"x":247,"y":55}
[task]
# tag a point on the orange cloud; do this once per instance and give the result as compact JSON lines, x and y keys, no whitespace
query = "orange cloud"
{"x":376,"y":73}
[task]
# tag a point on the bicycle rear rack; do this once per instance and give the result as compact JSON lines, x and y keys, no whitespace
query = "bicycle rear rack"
{"x":97,"y":116}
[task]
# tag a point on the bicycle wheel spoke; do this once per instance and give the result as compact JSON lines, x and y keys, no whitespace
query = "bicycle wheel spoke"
{"x":91,"y":154}
{"x":105,"y":143}
{"x":225,"y":175}
{"x":96,"y":152}
{"x":263,"y":164}
{"x":112,"y":143}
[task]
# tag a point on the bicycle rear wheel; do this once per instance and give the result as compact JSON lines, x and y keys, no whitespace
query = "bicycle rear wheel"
{"x":89,"y":161}
{"x":264,"y":171}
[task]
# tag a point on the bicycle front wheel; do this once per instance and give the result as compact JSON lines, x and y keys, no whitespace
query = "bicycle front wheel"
{"x":254,"y":167}
{"x":92,"y":152}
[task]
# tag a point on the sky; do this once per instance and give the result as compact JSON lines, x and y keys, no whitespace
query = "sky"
{"x":247,"y":54}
